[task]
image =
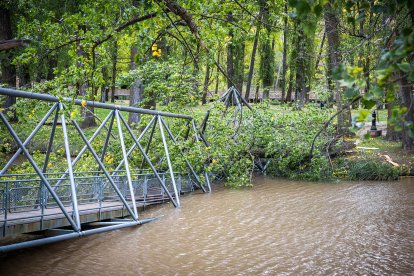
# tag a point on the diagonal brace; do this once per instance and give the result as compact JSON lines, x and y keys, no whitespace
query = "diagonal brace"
{"x":102,"y":166}
{"x":149,"y":161}
{"x":38,"y":171}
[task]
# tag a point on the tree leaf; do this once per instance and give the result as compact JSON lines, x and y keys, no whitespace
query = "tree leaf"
{"x":368,"y":104}
{"x":317,"y":10}
{"x":405,"y":67}
{"x":351,"y":92}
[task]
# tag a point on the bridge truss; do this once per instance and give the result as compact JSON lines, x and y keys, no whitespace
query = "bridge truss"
{"x":126,"y":186}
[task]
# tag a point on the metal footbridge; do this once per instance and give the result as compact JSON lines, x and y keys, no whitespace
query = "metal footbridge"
{"x":74,"y":203}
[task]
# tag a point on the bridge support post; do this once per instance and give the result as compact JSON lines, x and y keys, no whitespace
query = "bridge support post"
{"x":38,"y":171}
{"x":149,"y":161}
{"x":70,"y":170}
{"x":186,"y":160}
{"x":124,"y":153}
{"x":177,"y":195}
{"x":102,"y":166}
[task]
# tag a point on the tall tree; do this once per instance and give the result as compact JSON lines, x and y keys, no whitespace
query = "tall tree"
{"x":114,"y":57}
{"x":252,"y":62}
{"x":334,"y":56}
{"x":235,"y":57}
{"x":206,"y":83}
{"x":267,"y":56}
{"x":136,"y":91}
{"x":8,"y":70}
{"x":284,"y":60}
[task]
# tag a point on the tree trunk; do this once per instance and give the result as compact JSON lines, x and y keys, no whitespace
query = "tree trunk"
{"x":104,"y":87}
{"x":334,"y":55}
{"x":114,"y":63}
{"x":136,"y":92}
{"x":408,"y":118}
{"x":318,"y":59}
{"x":235,"y":58}
{"x":8,"y":70}
{"x":300,"y":70}
{"x":206,"y":82}
{"x":230,"y":65}
{"x":392,"y":134}
{"x":217,"y":72}
{"x":290,"y":88}
{"x":87,"y":111}
{"x":252,"y":61}
{"x":256,"y":95}
{"x":284,"y":61}
{"x":407,"y":101}
{"x":267,"y":60}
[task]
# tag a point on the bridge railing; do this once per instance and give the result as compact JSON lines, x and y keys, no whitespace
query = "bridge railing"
{"x":70,"y":194}
{"x":20,"y":193}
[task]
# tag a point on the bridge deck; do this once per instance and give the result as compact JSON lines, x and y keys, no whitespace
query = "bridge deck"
{"x":25,"y":208}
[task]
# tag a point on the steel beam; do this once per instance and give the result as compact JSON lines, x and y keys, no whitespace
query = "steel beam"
{"x":70,"y":169}
{"x":50,"y":98}
{"x":177,"y":195}
{"x":149,"y":142}
{"x":149,"y":162}
{"x":124,"y":153}
{"x":109,"y":130}
{"x":49,"y":240}
{"x":38,"y":171}
{"x":102,"y":166}
{"x":28,"y":139}
{"x":186,"y":160}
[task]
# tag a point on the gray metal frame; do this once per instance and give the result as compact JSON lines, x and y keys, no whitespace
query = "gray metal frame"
{"x":46,"y":187}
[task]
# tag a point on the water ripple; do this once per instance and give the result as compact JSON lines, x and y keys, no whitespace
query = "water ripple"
{"x":278,"y":227}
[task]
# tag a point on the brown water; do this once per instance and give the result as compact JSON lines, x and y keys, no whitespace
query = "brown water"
{"x":278,"y":227}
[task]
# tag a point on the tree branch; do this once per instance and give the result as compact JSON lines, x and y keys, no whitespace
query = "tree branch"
{"x":12,"y":43}
{"x":225,"y":20}
{"x":326,"y":124}
{"x":125,"y":25}
{"x":188,"y":19}
{"x":256,"y":18}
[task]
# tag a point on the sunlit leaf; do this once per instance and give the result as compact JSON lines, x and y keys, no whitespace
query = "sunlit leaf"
{"x":368,"y":104}
{"x":405,"y":67}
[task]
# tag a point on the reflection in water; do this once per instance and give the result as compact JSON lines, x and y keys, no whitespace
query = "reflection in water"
{"x":278,"y":226}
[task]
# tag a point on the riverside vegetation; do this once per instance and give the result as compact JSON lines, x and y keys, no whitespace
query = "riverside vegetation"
{"x":176,"y":56}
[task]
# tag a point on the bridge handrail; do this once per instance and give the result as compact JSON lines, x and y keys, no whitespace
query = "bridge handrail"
{"x":50,"y":98}
{"x":36,"y":198}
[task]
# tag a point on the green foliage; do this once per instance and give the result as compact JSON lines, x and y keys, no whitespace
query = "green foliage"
{"x":282,"y":135}
{"x":287,"y":138}
{"x":167,"y":81}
